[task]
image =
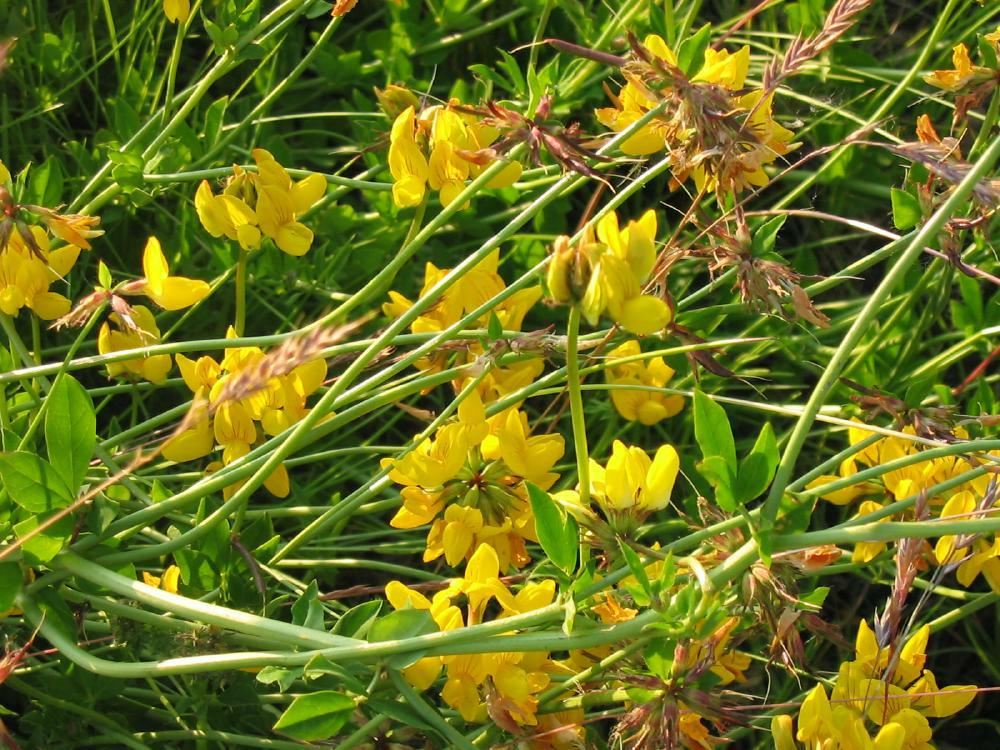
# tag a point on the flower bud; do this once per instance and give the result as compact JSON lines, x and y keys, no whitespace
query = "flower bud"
{"x":395,"y":99}
{"x":569,"y":271}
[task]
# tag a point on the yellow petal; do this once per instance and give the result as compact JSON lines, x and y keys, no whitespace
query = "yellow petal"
{"x":154,"y":265}
{"x":49,"y":305}
{"x":278,"y":483}
{"x":307,"y":192}
{"x":177,"y":11}
{"x":644,"y":315}
{"x":294,"y":239}
{"x":177,"y":292}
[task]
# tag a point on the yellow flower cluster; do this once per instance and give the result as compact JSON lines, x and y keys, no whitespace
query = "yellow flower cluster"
{"x":468,"y":482}
{"x":476,"y":287}
{"x":265,"y":203}
{"x":441,"y":148}
{"x":502,"y":686}
{"x":720,"y":137}
{"x":26,"y":275}
{"x":907,"y":482}
{"x":640,"y":404}
{"x":605,"y":272}
{"x":236,"y":425}
{"x":894,"y":694}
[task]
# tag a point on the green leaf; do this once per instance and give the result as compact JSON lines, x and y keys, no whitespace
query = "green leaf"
{"x":11,"y":580}
{"x":283,"y":676}
{"x":906,"y":212}
{"x":400,"y":711}
{"x":316,"y":716}
{"x":987,"y":53}
{"x":344,"y":675}
{"x":637,"y":568}
{"x":715,"y":470}
{"x":691,"y":53}
{"x":70,"y":430}
{"x":757,"y":469}
{"x":215,"y":118}
{"x":354,"y":623}
{"x":402,"y":625}
{"x":766,"y":235}
{"x":43,"y":547}
{"x":308,"y":610}
{"x":33,"y":483}
{"x":557,"y":532}
{"x":104,"y":275}
{"x":712,"y":431}
{"x":513,"y":70}
{"x":494,"y":329}
{"x":816,"y":597}
{"x":46,"y":185}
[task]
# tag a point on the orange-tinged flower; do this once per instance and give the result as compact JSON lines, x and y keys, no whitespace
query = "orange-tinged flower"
{"x":75,"y":229}
{"x":963,"y":73}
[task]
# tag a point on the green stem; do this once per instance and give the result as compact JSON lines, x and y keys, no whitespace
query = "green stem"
{"x":956,"y":201}
{"x":576,"y":405}
{"x":430,"y":715}
{"x":241,"y":292}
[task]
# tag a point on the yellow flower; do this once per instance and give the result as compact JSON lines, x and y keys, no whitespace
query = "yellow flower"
{"x":4,"y":173}
{"x":169,"y":292}
{"x":631,"y":483}
{"x":605,"y":272}
{"x":527,"y":456}
{"x":480,"y":284}
{"x":867,"y":551}
{"x":407,"y":163}
{"x":75,"y":229}
{"x":167,"y":582}
{"x":781,"y":732}
{"x":266,"y":203}
{"x":227,"y":215}
{"x":645,"y":406}
{"x":442,"y":148}
{"x":961,"y":76}
{"x":479,"y":465}
{"x":280,"y":200}
{"x":234,"y":424}
{"x":453,"y":535}
{"x":25,"y":277}
{"x":634,"y":99}
{"x":142,"y":334}
{"x":177,"y":11}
